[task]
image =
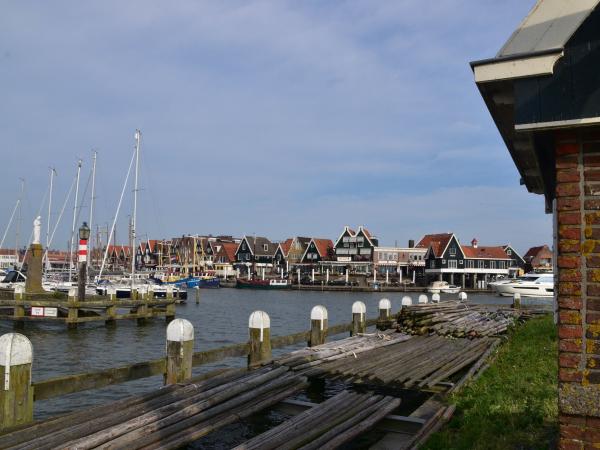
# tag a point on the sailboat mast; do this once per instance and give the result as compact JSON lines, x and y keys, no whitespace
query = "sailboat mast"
{"x":92,"y":201}
{"x":138,"y":136}
{"x":19,"y":219}
{"x":72,"y":242}
{"x":52,"y":172}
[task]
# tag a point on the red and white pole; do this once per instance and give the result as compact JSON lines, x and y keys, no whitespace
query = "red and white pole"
{"x":83,"y":250}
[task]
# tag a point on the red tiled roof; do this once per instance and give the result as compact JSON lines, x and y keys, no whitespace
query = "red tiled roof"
{"x":367,"y":233}
{"x":229,"y":248}
{"x":7,"y":251}
{"x":437,"y":242}
{"x":323,"y":246}
{"x":286,"y":245}
{"x":484,"y":252}
{"x":533,"y":251}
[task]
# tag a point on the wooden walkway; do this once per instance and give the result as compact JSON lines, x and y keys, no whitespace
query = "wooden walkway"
{"x":177,"y":415}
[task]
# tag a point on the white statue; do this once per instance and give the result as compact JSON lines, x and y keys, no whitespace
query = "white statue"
{"x":37,"y":224}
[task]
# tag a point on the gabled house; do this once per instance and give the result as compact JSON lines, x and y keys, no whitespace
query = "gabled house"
{"x":280,"y":258}
{"x":224,"y":258}
{"x":318,"y":250}
{"x":446,"y":259}
{"x":539,"y":259}
{"x":354,"y":249}
{"x":255,"y":251}
{"x":517,"y":263}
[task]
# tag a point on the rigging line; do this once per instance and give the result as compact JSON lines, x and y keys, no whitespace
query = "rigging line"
{"x":39,"y":212}
{"x":10,"y":222}
{"x":87,"y":185}
{"x":112,"y":229}
{"x":60,"y":216}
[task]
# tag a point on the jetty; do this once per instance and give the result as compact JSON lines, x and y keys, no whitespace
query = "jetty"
{"x":385,"y":386}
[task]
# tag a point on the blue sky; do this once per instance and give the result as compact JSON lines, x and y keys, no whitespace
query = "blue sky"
{"x":270,"y":117}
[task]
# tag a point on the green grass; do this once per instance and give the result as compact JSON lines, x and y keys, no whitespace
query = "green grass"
{"x":513,"y":405}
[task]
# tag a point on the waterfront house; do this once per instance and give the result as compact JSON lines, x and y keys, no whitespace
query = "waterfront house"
{"x":224,"y":258}
{"x":280,"y":257}
{"x":354,"y":250}
{"x":517,"y":263}
{"x":400,"y":263}
{"x":318,"y":250}
{"x":255,"y":251}
{"x":446,"y":259}
{"x":538,"y":259}
{"x":8,"y":258}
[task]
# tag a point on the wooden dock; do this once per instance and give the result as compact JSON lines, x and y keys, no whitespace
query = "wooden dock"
{"x":387,"y":389}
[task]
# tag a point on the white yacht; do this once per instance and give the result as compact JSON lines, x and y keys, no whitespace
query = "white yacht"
{"x":437,"y":286}
{"x":529,"y":285}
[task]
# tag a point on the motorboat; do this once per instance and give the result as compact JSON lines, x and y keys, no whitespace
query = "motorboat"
{"x":204,"y":281}
{"x":123,"y":289}
{"x":13,"y":278}
{"x":437,"y":286}
{"x":529,"y":285}
{"x":451,"y":289}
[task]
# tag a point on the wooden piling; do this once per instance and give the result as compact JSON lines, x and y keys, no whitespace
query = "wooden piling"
{"x":180,"y":351}
{"x":318,"y":326}
{"x":435,"y":298}
{"x":359,"y":324}
{"x":462,"y":296}
{"x":259,"y":326}
{"x":385,"y":314}
{"x":16,"y":392}
{"x":111,"y":311}
{"x":516,"y":300}
{"x":197,"y":294}
{"x":72,"y":312}
{"x":423,"y":300}
{"x":19,"y":309}
{"x":170,"y":308}
{"x":142,"y":310}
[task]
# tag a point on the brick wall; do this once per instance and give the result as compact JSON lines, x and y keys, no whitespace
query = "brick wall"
{"x":578,"y":211}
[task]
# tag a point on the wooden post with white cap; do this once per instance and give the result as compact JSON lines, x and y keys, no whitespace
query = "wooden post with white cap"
{"x":16,"y":392}
{"x":423,"y":300}
{"x":72,"y":312}
{"x":359,"y":323}
{"x":142,"y":309}
{"x":259,"y":326}
{"x":19,"y":309}
{"x":180,"y":350}
{"x":516,"y":300}
{"x":318,"y":326}
{"x":385,"y":315}
{"x":197,"y":294}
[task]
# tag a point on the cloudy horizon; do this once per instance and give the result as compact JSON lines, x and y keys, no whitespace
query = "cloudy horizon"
{"x":273,"y":118}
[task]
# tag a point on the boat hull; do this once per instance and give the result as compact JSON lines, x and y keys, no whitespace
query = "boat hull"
{"x":259,"y":284}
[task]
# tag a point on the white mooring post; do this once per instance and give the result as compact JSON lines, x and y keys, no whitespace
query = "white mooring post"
{"x":385,"y":314}
{"x":407,"y":301}
{"x":462,"y":296}
{"x":16,"y":393}
{"x":435,"y":298}
{"x":359,"y":321}
{"x":347,"y":276}
{"x":318,"y":325}
{"x":19,"y":309}
{"x":298,"y":272}
{"x":180,"y":351}
{"x":197,"y":294}
{"x":313,"y":276}
{"x":259,"y":326}
{"x":516,"y":300}
{"x":423,"y":299}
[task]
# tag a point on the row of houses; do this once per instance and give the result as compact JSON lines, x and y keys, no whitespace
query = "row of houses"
{"x":435,"y":256}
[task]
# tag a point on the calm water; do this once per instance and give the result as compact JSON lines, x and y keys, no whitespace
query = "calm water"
{"x":220,"y":319}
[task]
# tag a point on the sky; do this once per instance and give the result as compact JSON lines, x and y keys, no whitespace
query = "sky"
{"x":276,"y":118}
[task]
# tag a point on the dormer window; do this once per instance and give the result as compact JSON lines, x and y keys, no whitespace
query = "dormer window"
{"x":453,"y":250}
{"x":266,"y":247}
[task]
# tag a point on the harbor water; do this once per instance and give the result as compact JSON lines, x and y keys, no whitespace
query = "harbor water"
{"x":221,"y":318}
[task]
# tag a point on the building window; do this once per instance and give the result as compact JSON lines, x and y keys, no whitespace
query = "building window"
{"x":443,"y":261}
{"x":432,"y":264}
{"x":452,"y":264}
{"x":470,"y":264}
{"x":460,"y":261}
{"x":266,"y":247}
{"x":509,"y":252}
{"x":481,"y":264}
{"x":453,"y":250}
{"x":247,"y":256}
{"x":492,"y":264}
{"x":243,"y":246}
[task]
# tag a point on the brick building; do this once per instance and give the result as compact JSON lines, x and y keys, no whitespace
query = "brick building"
{"x":543,"y":92}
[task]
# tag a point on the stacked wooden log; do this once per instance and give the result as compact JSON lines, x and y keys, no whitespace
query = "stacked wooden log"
{"x":327,"y":426}
{"x":168,"y":418}
{"x":455,"y":319}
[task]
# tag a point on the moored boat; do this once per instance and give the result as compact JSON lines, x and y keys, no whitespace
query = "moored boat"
{"x":530,"y":285}
{"x":263,"y":284}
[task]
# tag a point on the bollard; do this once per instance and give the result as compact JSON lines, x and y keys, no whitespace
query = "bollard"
{"x":385,"y":314}
{"x":462,"y":296}
{"x":180,"y":350}
{"x":19,"y":309}
{"x":516,"y":300}
{"x":318,"y":326}
{"x":359,"y":323}
{"x":142,"y":309}
{"x":407,"y":301}
{"x":16,"y":393}
{"x":423,"y":299}
{"x":170,"y":307}
{"x":197,"y":294}
{"x":111,"y":311}
{"x":259,"y":326}
{"x":73,"y":312}
{"x":435,"y":298}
